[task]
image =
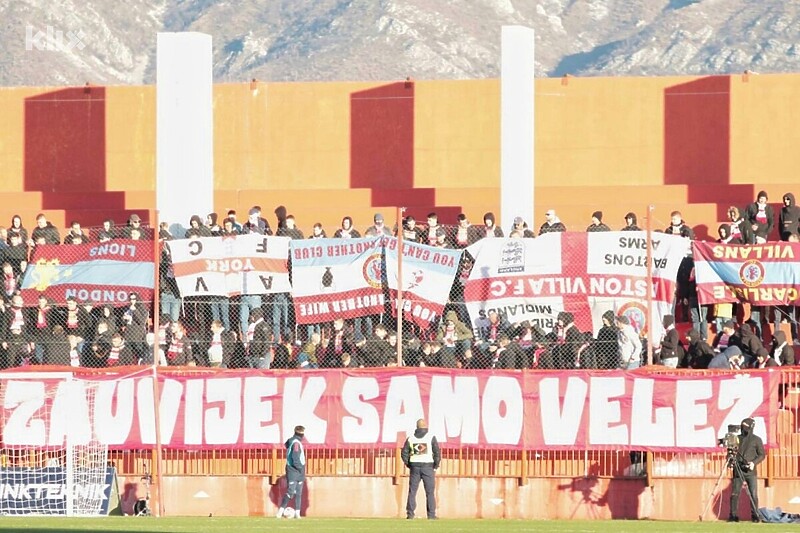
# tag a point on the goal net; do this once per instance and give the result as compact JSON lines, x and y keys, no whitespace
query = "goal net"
{"x":51,"y":460}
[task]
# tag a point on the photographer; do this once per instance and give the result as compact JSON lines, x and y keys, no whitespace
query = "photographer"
{"x":748,"y":455}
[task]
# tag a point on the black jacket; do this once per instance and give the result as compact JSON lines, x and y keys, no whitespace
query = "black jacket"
{"x":751,"y":450}
{"x":763,"y":229}
{"x":789,"y":218}
{"x":405,"y":455}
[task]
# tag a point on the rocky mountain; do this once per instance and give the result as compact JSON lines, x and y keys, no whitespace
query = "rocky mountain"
{"x":56,"y":42}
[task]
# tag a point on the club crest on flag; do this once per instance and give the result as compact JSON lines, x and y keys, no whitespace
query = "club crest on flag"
{"x":752,"y":273}
{"x":512,"y":257}
{"x":636,"y":313}
{"x":372,"y":271}
{"x":46,"y":272}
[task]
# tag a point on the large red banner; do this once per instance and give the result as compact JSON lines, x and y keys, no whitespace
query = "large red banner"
{"x":487,"y":409}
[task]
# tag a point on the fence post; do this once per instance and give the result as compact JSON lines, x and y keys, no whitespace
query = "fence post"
{"x":649,"y":283}
{"x":398,"y":466}
{"x":273,"y":470}
{"x":399,"y":304}
{"x":156,"y":388}
{"x":523,"y":479}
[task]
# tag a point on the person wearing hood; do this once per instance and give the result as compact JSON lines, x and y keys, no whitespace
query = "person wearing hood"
{"x":671,"y":352}
{"x":606,"y":344}
{"x":748,"y":456}
{"x":698,"y":353}
{"x":490,"y":228}
{"x":552,"y":223}
{"x":295,"y":472}
{"x":211,"y":224}
{"x":747,"y":341}
{"x":454,"y":334}
{"x":196,"y":227}
{"x":789,"y":217}
{"x":597,"y":223}
{"x":782,"y":351}
{"x":630,"y":223}
{"x":346,"y":230}
{"x":17,"y":228}
{"x":421,"y":455}
{"x":739,"y":230}
{"x":761,"y":217}
{"x":568,"y":339}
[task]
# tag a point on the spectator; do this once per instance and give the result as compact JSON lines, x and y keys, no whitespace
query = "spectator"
{"x":412,"y":232}
{"x":120,"y":353}
{"x":211,"y":224}
{"x":522,"y":227}
{"x":232,"y":217}
{"x":678,"y":226}
{"x":782,"y":350}
{"x":17,"y":229}
{"x":16,"y":255}
{"x":280,"y":216}
{"x":134,"y":223}
{"x":630,"y":222}
{"x":348,"y":361}
{"x":318,"y":232}
{"x":108,"y":232}
{"x":671,"y":352}
{"x":763,"y":360}
{"x":490,"y":228}
{"x":196,"y":228}
{"x":378,"y":227}
{"x":747,"y":341}
{"x":44,"y":230}
{"x":10,"y":280}
{"x":42,"y":319}
{"x":789,"y":218}
{"x":57,"y":348}
{"x":723,"y":338}
{"x":441,"y":238}
{"x":134,"y":320}
{"x":346,"y":231}
{"x":453,"y":333}
{"x":630,"y":345}
{"x":376,"y":352}
{"x":465,"y":234}
{"x":607,"y":345}
{"x":257,"y":340}
{"x":508,"y":354}
{"x":179,"y":349}
{"x":75,"y":235}
{"x":339,"y":342}
{"x":698,"y":352}
{"x":761,"y":218}
{"x":135,"y":234}
{"x":552,"y":224}
{"x":256,"y":224}
{"x":307,"y":357}
{"x":229,"y":228}
{"x":222,"y":348}
{"x":568,"y":340}
{"x":597,"y":223}
{"x":740,"y":230}
{"x":430,"y":235}
{"x":289,"y":229}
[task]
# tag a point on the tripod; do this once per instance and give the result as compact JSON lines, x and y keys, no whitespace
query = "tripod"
{"x":733,"y":464}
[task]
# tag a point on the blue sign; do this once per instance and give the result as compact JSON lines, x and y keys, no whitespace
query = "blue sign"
{"x":26,"y":491}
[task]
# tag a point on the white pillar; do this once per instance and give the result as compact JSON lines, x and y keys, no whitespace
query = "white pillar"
{"x":516,"y":126}
{"x":184,"y":127}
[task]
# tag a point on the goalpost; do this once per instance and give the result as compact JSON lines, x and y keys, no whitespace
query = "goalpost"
{"x":51,"y":460}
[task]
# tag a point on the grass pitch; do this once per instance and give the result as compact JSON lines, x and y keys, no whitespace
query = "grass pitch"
{"x":371,"y":525}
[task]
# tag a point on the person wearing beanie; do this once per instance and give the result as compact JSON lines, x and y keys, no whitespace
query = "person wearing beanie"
{"x":630,"y":223}
{"x":552,"y":223}
{"x":378,"y":228}
{"x":490,"y":229}
{"x":761,"y":217}
{"x":597,"y":223}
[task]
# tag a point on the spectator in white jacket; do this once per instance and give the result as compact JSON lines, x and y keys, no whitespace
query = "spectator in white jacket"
{"x":630,"y":345}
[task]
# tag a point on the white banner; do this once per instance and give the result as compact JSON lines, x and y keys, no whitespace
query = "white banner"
{"x":230,"y":266}
{"x":582,"y":273}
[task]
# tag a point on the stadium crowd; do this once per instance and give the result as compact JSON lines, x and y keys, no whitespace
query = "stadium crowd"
{"x":195,"y":331}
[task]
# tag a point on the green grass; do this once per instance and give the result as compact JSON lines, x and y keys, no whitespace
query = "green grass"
{"x":372,"y":525}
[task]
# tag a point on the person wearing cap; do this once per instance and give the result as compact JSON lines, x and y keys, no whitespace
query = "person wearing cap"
{"x":378,"y":227}
{"x":631,"y":222}
{"x":422,"y":456}
{"x":748,"y":456}
{"x":522,"y":228}
{"x":134,"y":222}
{"x":597,"y":223}
{"x":295,"y":472}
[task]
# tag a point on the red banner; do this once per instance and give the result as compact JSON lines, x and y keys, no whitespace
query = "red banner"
{"x":486,"y":409}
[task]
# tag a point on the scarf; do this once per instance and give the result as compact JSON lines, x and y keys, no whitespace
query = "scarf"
{"x":215,"y":349}
{"x":17,"y":319}
{"x":761,"y":216}
{"x":462,"y":236}
{"x":10,"y":283}
{"x":74,"y":358}
{"x":41,"y":318}
{"x":450,"y":336}
{"x":175,"y":349}
{"x":113,"y":355}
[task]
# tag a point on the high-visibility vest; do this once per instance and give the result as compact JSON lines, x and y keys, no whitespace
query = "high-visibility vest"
{"x":421,"y":449}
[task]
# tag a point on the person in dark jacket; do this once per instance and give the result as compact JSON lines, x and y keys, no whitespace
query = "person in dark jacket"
{"x":782,"y":350}
{"x":422,"y":456}
{"x":17,"y":229}
{"x":490,"y":228}
{"x":465,"y":233}
{"x":295,"y":472}
{"x":347,"y":231}
{"x":57,"y":348}
{"x":607,"y":346}
{"x":597,"y":223}
{"x":671,"y":353}
{"x":630,"y":223}
{"x":698,"y":352}
{"x":678,"y":226}
{"x":789,"y":218}
{"x":748,"y":456}
{"x":568,"y":339}
{"x":377,"y":352}
{"x":45,"y":230}
{"x":761,"y":217}
{"x":552,"y":223}
{"x":740,"y":230}
{"x":509,"y":354}
{"x":747,"y":341}
{"x":522,"y":229}
{"x":763,"y":359}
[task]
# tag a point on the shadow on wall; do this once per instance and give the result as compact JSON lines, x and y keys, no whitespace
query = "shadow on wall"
{"x":277,"y":491}
{"x":65,"y":154}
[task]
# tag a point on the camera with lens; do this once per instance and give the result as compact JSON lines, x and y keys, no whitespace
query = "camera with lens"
{"x":731,"y":439}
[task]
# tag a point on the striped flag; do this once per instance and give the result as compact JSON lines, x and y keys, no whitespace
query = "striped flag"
{"x":102,"y":273}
